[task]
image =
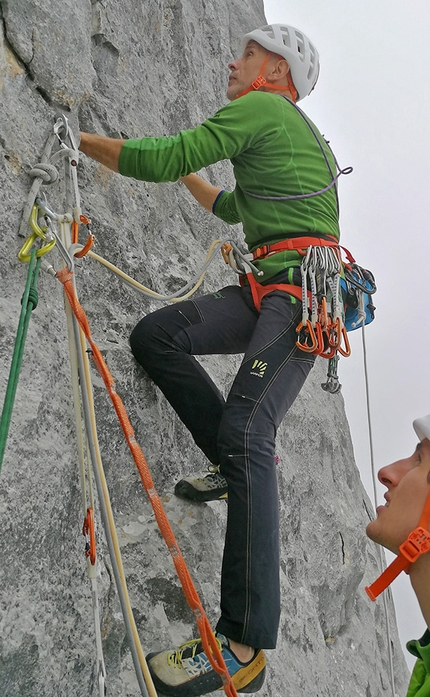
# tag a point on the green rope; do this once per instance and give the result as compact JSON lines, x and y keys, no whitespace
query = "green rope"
{"x":29,"y":302}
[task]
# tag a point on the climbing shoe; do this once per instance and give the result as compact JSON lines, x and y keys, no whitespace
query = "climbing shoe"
{"x":211,"y":487}
{"x":187,"y":672}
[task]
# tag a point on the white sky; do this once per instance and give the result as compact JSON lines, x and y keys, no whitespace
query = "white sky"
{"x":372,"y":102}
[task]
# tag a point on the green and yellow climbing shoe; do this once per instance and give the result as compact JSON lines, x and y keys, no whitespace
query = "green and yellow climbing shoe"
{"x":187,"y":672}
{"x":211,"y":487}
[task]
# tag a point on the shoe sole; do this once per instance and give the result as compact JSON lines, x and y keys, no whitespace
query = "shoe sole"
{"x":254,"y":685}
{"x":210,"y":682}
{"x":185,"y":490}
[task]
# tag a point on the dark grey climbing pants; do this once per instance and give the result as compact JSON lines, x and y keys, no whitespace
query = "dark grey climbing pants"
{"x":239,"y":434}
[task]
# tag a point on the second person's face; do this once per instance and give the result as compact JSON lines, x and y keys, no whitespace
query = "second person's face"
{"x":407,"y":483}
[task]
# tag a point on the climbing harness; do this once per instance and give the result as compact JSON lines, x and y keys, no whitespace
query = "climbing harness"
{"x":61,"y":230}
{"x":327,"y":284}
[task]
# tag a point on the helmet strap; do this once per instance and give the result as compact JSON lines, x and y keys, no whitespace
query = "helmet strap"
{"x":261,"y":81}
{"x":417,"y":543}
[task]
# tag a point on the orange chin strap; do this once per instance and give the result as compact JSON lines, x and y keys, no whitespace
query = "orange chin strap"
{"x":417,"y":543}
{"x":261,"y":81}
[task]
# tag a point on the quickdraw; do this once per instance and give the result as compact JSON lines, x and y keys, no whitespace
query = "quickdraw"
{"x":322,"y":330}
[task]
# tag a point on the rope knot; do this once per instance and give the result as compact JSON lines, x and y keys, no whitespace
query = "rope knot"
{"x":33,"y":298}
{"x":64,"y":275}
{"x":46,"y":172}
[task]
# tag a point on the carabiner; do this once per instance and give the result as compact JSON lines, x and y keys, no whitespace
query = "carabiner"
{"x":88,"y":528}
{"x":38,"y":232}
{"x":319,"y":338}
{"x":86,"y":248}
{"x":334,"y":333}
{"x":322,"y":312}
{"x":328,"y":351}
{"x":306,"y":329}
{"x":225,"y":251}
{"x":346,"y":352}
{"x":74,"y":234}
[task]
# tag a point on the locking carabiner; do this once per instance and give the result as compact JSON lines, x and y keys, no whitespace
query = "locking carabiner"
{"x":38,"y":232}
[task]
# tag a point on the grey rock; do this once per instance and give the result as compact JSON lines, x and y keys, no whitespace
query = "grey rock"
{"x":131,"y":69}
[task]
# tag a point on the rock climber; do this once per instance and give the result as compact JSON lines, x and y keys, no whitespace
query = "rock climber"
{"x":285,"y":189}
{"x":408,"y":492}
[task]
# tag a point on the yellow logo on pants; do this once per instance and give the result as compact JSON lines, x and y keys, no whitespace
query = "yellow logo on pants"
{"x":258,"y":368}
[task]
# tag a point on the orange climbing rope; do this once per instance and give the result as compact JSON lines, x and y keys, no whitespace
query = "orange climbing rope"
{"x":206,"y":634}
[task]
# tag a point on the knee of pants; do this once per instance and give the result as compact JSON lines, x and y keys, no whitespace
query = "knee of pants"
{"x":147,"y":339}
{"x":143,"y":337}
{"x":240,"y":435}
{"x":158,"y":334}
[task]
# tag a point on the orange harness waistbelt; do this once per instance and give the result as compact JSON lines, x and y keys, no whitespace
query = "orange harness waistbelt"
{"x":298,"y":244}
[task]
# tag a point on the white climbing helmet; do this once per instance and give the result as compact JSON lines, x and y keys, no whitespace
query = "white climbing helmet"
{"x":295,"y":47}
{"x":422,"y":427}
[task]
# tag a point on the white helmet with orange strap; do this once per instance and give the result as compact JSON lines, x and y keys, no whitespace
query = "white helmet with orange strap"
{"x":295,"y":47}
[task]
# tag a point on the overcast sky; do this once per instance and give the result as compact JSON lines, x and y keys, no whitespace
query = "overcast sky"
{"x":372,"y":102}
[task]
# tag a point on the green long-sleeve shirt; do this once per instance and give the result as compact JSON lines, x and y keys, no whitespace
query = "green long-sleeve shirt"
{"x":419,"y":685}
{"x":273,"y":152}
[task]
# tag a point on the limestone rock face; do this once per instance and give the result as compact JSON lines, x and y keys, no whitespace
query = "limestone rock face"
{"x":131,"y":69}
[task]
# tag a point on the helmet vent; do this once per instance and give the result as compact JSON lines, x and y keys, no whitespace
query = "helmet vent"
{"x":285,"y":36}
{"x":300,"y":45}
{"x":269,"y":31}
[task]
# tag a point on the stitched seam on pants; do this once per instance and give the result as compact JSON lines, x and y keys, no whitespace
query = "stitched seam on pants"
{"x":305,"y":358}
{"x":248,"y":487}
{"x":273,"y":341}
{"x":198,"y":310}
